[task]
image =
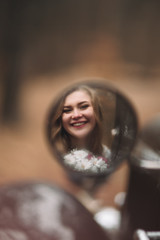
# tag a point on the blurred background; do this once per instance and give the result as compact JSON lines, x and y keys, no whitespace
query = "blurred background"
{"x":46,"y":45}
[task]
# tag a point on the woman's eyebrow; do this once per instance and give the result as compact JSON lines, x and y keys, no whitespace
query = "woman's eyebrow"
{"x":83,"y":102}
{"x":67,"y":106}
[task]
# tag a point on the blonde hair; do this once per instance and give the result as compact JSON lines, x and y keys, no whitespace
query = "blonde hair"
{"x":61,"y":139}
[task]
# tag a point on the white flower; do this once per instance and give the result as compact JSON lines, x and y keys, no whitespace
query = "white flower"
{"x":83,"y":160}
{"x":69,"y":159}
{"x":79,"y":154}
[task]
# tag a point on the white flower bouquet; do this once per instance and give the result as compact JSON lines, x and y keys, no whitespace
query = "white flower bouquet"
{"x":85,"y":161}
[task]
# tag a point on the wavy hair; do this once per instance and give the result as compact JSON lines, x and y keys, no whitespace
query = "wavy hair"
{"x":61,"y":139}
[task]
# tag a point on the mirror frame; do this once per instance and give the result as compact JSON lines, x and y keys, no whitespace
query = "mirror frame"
{"x":126,"y":122}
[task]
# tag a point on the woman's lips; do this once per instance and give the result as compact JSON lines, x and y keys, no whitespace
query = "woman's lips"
{"x":78,"y":124}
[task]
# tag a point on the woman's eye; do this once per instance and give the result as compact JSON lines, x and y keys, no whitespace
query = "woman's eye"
{"x":66,"y":110}
{"x":84,"y":106}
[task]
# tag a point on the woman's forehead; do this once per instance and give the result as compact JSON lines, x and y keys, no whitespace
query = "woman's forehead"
{"x":77,"y":96}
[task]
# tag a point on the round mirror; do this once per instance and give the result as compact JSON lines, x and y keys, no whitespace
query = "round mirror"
{"x":91,"y":128}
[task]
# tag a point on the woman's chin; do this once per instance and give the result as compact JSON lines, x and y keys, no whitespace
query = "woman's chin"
{"x":79,"y":141}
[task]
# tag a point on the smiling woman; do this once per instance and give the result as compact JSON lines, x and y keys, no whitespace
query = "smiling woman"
{"x":77,"y":130}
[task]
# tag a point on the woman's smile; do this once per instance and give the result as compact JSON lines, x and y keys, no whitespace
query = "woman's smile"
{"x":79,"y":124}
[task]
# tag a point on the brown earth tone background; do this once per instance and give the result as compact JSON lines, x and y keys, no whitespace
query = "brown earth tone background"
{"x":47,"y":46}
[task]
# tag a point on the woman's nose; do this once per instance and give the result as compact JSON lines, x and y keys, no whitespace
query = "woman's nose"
{"x":76,"y":113}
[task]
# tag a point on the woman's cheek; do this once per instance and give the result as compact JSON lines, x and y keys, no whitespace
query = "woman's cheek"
{"x":65,"y":120}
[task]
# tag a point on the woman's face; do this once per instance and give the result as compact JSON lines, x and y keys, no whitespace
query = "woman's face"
{"x":78,"y":117}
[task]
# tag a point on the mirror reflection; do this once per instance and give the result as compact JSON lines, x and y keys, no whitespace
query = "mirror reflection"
{"x":87,"y":130}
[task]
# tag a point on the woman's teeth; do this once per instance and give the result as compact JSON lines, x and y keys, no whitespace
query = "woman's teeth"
{"x":78,"y":124}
